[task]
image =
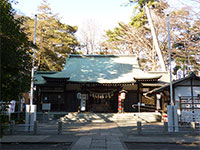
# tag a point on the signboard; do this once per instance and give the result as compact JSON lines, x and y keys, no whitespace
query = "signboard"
{"x":189,"y":109}
{"x":83,"y":102}
{"x":78,"y":95}
{"x":46,"y":106}
{"x":12,"y":106}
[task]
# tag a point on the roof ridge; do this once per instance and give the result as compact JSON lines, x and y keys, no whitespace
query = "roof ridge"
{"x":46,"y":72}
{"x":96,"y":55}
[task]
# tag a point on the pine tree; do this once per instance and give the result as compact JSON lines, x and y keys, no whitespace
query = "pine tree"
{"x":55,"y":40}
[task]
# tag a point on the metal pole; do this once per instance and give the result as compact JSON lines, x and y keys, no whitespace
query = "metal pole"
{"x":171,"y":93}
{"x":33,"y":63}
{"x":171,"y":117}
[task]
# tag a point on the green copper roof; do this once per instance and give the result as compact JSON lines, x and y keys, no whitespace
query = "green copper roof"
{"x":102,"y":69}
{"x":38,"y":79}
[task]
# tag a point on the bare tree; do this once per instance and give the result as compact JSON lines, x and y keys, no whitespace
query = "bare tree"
{"x":145,"y":40}
{"x":90,"y":36}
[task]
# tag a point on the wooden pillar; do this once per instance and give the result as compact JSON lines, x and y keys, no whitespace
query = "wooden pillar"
{"x":192,"y":95}
{"x":38,"y":98}
{"x":155,"y":101}
{"x":162,"y":101}
{"x":59,"y":101}
{"x":191,"y":90}
{"x":138,"y":95}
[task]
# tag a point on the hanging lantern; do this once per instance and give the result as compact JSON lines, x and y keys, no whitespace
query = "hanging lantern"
{"x":106,"y":96}
{"x":123,"y":94}
{"x":158,"y":96}
{"x":78,"y":95}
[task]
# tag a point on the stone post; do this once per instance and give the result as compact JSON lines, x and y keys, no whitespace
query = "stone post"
{"x":12,"y":124}
{"x":139,"y":127}
{"x":60,"y":127}
{"x":35,"y":127}
{"x":165,"y":127}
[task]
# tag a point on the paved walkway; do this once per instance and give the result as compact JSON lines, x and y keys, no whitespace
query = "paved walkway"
{"x":99,"y":142}
{"x":102,"y":136}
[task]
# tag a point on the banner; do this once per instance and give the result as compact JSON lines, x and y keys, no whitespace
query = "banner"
{"x":12,"y":106}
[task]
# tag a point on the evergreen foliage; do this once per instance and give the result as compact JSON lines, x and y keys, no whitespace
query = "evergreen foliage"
{"x":55,"y":40}
{"x":14,"y":51}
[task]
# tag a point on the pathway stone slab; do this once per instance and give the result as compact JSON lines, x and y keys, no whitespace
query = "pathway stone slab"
{"x":83,"y":143}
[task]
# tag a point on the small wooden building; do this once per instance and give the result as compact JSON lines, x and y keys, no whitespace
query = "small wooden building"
{"x":186,"y":96}
{"x":94,"y":83}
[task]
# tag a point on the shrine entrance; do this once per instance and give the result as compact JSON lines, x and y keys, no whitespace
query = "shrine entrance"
{"x":102,"y":100}
{"x":102,"y":105}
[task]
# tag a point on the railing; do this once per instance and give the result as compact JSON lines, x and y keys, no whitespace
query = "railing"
{"x":38,"y":128}
{"x":144,"y":107}
{"x":65,"y":128}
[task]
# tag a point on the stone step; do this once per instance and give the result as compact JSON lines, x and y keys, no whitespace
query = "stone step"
{"x":112,"y":117}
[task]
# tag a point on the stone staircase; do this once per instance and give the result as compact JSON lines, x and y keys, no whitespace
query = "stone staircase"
{"x":132,"y":118}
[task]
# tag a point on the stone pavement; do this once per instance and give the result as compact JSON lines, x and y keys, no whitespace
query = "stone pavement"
{"x":98,"y":142}
{"x":102,"y":136}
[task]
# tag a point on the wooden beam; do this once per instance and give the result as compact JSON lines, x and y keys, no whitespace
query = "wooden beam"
{"x":192,"y":96}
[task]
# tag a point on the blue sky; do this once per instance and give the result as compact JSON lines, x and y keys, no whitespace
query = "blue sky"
{"x":74,"y":12}
{"x":106,"y":13}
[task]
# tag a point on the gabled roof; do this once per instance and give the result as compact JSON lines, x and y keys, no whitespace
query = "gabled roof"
{"x":165,"y":75}
{"x":38,"y":79}
{"x":102,"y":69}
{"x":166,"y":86}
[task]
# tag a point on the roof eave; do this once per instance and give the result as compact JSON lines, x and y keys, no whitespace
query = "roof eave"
{"x":192,"y":75}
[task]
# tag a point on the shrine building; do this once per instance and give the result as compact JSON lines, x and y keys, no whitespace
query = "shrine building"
{"x":98,"y":83}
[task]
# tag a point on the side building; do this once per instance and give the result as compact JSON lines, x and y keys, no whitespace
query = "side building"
{"x":186,"y":96}
{"x":98,"y":83}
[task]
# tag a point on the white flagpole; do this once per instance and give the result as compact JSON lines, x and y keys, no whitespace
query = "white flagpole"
{"x":171,"y":93}
{"x":31,"y":109}
{"x":33,"y":63}
{"x":171,"y":109}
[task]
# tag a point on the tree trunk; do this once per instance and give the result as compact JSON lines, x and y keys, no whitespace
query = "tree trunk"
{"x":155,"y":40}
